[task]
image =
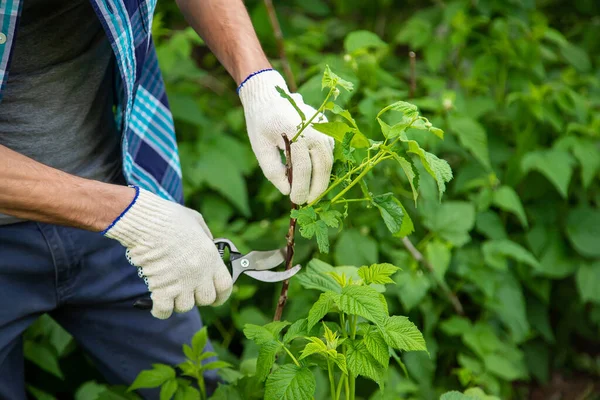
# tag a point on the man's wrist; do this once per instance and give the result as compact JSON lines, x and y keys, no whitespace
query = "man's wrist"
{"x":111,"y":202}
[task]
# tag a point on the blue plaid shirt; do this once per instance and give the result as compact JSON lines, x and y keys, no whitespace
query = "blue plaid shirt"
{"x":150,"y":157}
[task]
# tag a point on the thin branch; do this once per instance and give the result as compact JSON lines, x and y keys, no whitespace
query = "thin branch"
{"x":280,"y":45}
{"x":289,"y":259}
{"x":416,"y":254}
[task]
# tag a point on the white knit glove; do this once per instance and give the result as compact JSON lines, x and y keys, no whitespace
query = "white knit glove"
{"x":268,"y":115}
{"x":175,"y":252}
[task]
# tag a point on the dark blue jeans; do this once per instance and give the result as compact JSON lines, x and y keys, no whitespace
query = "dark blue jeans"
{"x":84,"y":282}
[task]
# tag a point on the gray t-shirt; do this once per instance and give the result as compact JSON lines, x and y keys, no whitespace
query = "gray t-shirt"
{"x":57,"y":105}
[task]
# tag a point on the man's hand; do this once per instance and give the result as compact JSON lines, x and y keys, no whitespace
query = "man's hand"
{"x":174,"y":249}
{"x":268,"y":116}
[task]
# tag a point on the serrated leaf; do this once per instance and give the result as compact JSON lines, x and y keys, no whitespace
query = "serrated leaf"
{"x":216,"y":365}
{"x":377,"y":273}
{"x":296,"y":330}
{"x":496,"y":253}
{"x":290,"y":382}
{"x":168,"y":389}
{"x":331,"y":80}
{"x":258,"y":334}
{"x":315,"y":277}
{"x":315,"y":346}
{"x":399,"y":333}
{"x":152,"y":378}
{"x":311,"y":227}
{"x":338,"y":131}
{"x":363,"y":301}
{"x":360,"y":362}
{"x":507,"y":199}
{"x":439,"y":169}
{"x":276,"y":327}
{"x":334,"y":108}
{"x":266,"y":358}
{"x":556,"y":165}
{"x":407,"y":109}
{"x":340,"y":361}
{"x":321,"y":307}
{"x":411,"y":174}
{"x":199,"y":341}
{"x":331,"y":218}
{"x":472,"y":136}
{"x":377,"y":346}
{"x":583,"y":231}
{"x":391,"y":211}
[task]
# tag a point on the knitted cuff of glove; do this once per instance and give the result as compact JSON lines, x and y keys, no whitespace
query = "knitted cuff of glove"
{"x":145,"y":215}
{"x":260,"y":87}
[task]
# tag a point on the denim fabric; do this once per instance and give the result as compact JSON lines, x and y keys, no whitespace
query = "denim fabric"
{"x":84,"y":282}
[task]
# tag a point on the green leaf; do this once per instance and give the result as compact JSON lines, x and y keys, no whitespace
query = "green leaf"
{"x":310,"y":227}
{"x":315,"y":346}
{"x":472,"y":136}
{"x":377,"y":346}
{"x":390,"y":210}
{"x":438,"y":169}
{"x":586,"y":153}
{"x":44,"y":356}
{"x":583,"y":231}
{"x":399,"y":333}
{"x":363,"y":301}
{"x":331,"y":80}
{"x":266,"y":358}
{"x":377,"y":273}
{"x":296,"y":330}
{"x":216,"y":365}
{"x":362,"y":40}
{"x":331,"y":218}
{"x":412,"y":287}
{"x":334,"y":108}
{"x":199,"y":341}
{"x":588,"y":282}
{"x":409,"y":110}
{"x":455,"y":326}
{"x":321,"y":307}
{"x":360,"y":362}
{"x":258,"y":334}
{"x":168,"y":389}
{"x":509,"y":304}
{"x":439,"y":256}
{"x":407,"y":225}
{"x":355,"y":248}
{"x":316,"y":277}
{"x":411,"y":174}
{"x":496,"y":253}
{"x":576,"y":56}
{"x":555,"y":165}
{"x":508,"y":200}
{"x":286,"y":96}
{"x":158,"y":375}
{"x":290,"y":382}
{"x":276,"y":327}
{"x":338,"y":130}
{"x":452,"y":221}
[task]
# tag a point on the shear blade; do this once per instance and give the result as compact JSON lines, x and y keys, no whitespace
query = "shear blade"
{"x":260,"y":260}
{"x":273,"y":276}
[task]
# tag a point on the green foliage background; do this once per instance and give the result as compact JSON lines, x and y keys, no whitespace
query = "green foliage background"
{"x":516,"y":87}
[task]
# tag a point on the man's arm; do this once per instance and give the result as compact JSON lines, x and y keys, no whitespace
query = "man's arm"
{"x":227,"y":30}
{"x":33,"y":191}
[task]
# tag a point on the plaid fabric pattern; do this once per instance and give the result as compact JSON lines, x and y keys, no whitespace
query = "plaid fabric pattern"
{"x":150,"y":157}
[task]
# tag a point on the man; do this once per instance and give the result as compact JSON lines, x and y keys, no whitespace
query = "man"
{"x":83,"y":114}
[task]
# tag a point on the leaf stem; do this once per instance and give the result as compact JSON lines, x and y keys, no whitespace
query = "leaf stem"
{"x":291,"y":355}
{"x":319,"y":110}
{"x":331,"y":379}
{"x":351,"y":200}
{"x":338,"y":392}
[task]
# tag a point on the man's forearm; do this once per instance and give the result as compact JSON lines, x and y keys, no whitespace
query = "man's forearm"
{"x":227,"y":30}
{"x":33,"y":191}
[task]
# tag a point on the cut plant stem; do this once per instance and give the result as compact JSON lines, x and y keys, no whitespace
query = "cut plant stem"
{"x":289,"y":258}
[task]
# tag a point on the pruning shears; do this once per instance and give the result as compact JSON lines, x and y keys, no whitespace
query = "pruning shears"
{"x":256,"y":264}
